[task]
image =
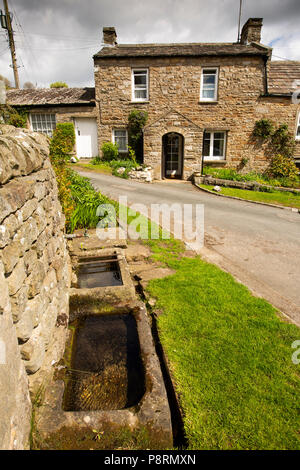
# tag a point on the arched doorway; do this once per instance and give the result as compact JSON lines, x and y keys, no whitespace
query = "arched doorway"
{"x":172,"y":155}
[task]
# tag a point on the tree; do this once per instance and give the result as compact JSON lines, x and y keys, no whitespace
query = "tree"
{"x":6,"y":81}
{"x":59,"y":85}
{"x":28,"y":86}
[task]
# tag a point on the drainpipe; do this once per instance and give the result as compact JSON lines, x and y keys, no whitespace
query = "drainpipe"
{"x":202,"y":158}
{"x":266,"y":59}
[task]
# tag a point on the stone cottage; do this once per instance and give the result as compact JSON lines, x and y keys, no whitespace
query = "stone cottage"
{"x":202,"y":100}
{"x":48,"y":106}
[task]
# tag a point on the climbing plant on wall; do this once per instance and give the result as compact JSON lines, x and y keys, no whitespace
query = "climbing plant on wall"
{"x":136,"y":122}
{"x":13,"y":116}
{"x":281,"y":145}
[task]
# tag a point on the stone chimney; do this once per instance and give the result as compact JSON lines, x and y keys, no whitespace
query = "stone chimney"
{"x":251,"y":31}
{"x":109,"y":36}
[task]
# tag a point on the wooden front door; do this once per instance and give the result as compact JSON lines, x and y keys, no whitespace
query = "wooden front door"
{"x":172,"y":155}
{"x":86,"y":137}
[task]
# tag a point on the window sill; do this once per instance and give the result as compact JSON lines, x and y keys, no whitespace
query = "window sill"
{"x":139,"y":102}
{"x":208,"y":102}
{"x":214,"y":160}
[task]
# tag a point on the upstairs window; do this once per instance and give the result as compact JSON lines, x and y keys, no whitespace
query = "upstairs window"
{"x":120,"y":138}
{"x":214,"y":144}
{"x":140,"y":90}
{"x":298,"y":128}
{"x":45,"y":123}
{"x":209,"y":85}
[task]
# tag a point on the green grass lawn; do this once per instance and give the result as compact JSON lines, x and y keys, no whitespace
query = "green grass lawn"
{"x":100,"y":168}
{"x":230,"y":357}
{"x":281,"y":198}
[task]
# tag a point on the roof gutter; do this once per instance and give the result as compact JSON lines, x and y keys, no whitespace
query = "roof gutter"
{"x":52,"y":105}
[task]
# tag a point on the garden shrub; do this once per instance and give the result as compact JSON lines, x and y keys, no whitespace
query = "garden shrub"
{"x":62,"y":143}
{"x":61,"y":146}
{"x":12,"y":116}
{"x":283,"y":166}
{"x":110,"y":151}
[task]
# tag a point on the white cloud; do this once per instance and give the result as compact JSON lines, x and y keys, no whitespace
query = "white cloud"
{"x":62,"y":35}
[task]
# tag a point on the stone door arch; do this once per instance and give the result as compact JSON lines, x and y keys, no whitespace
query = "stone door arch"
{"x":172,"y":155}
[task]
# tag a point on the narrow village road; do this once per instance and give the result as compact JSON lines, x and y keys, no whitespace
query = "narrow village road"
{"x":259,"y":245}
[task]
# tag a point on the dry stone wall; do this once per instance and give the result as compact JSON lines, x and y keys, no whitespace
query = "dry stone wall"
{"x":34,"y":279}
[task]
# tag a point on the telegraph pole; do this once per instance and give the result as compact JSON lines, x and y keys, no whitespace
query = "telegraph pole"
{"x":11,"y":44}
{"x":240,"y":15}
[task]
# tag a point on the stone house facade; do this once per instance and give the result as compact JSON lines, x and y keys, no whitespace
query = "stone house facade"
{"x":202,"y":100}
{"x":48,"y":106}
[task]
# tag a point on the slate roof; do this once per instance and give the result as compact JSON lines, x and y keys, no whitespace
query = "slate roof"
{"x":188,"y":49}
{"x":51,"y":97}
{"x":282,"y":76}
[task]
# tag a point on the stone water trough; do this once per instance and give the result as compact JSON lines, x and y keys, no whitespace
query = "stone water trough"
{"x":110,"y":377}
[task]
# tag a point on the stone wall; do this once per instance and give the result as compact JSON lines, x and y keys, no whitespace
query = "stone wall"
{"x":34,"y":279}
{"x":174,"y":106}
{"x":66,"y":113}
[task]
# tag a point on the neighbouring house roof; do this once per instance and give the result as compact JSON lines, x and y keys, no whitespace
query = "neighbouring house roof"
{"x":52,"y":97}
{"x":192,"y":49}
{"x":282,"y":77}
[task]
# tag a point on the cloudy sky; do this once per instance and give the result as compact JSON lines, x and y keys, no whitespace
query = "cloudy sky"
{"x":56,"y":39}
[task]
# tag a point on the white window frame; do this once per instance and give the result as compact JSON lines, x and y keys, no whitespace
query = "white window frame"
{"x":215,"y":98}
{"x":211,"y":146}
{"x":298,"y":127}
{"x":133,"y":98}
{"x":114,"y":140}
{"x":47,"y":132}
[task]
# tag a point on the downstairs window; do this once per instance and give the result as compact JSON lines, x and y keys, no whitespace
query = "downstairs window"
{"x":214,"y":144}
{"x":45,"y":123}
{"x":121,"y":139}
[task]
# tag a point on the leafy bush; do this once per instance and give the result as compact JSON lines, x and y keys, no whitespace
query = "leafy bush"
{"x":283,"y":166}
{"x":263,"y":128}
{"x":64,"y":193}
{"x":12,"y":116}
{"x":110,"y":151}
{"x":136,"y":123}
{"x":17,"y":120}
{"x":62,"y":143}
{"x":61,"y":146}
{"x":59,"y":85}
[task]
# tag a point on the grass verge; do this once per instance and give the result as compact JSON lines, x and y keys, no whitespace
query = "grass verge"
{"x":230,"y":356}
{"x":99,"y":168}
{"x":231,"y":174}
{"x":286,"y":199}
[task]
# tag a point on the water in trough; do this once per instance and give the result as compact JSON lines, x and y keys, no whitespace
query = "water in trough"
{"x":106,"y":370}
{"x":99,"y":272}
